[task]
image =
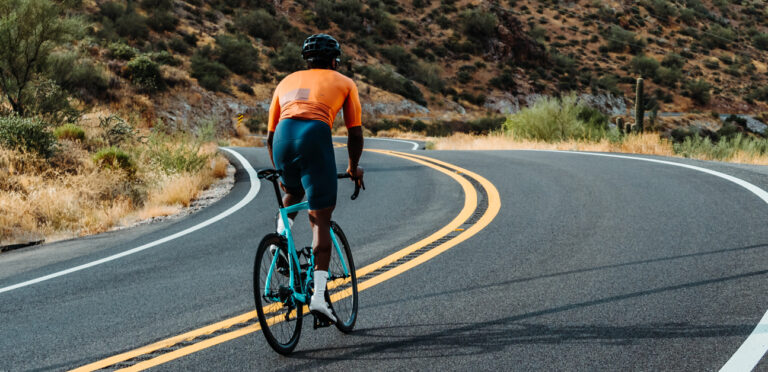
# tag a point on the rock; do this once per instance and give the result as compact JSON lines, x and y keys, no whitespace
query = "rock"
{"x":515,"y":44}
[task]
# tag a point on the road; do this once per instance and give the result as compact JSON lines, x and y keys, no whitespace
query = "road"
{"x":590,"y":263}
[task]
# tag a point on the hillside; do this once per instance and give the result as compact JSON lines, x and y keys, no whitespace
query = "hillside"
{"x":186,"y":60}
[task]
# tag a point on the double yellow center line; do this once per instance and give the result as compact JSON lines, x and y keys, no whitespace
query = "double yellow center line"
{"x":478,"y":211}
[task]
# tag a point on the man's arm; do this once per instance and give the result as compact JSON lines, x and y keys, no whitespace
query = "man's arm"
{"x":270,"y":137}
{"x":354,"y":147}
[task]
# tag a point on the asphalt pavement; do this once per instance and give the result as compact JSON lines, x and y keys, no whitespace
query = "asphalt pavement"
{"x":592,"y":263}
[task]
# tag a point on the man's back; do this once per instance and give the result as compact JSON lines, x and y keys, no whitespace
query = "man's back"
{"x":315,"y":94}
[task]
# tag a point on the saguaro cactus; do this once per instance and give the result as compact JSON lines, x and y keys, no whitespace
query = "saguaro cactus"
{"x":639,"y":106}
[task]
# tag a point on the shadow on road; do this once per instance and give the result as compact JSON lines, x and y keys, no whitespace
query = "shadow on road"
{"x":442,"y":340}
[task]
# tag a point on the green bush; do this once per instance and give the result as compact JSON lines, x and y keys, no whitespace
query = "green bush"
{"x":79,"y":76}
{"x":288,"y":58}
{"x":112,"y":10}
{"x":237,"y":53}
{"x":696,"y":146}
{"x":758,"y":94}
{"x":27,"y":134}
{"x":47,"y":99}
{"x":184,"y":156}
{"x":645,"y":66}
{"x":122,"y":51}
{"x":387,"y":79}
{"x":259,"y":24}
{"x":116,"y":130}
{"x":178,"y":45}
{"x":504,"y":81}
{"x":479,"y":25}
{"x":209,"y":74}
{"x":69,"y":132}
{"x":145,"y":73}
{"x":132,"y":25}
{"x":718,"y":37}
{"x":114,"y":158}
{"x":673,"y":60}
{"x":699,"y":91}
{"x":164,"y":57}
{"x":619,"y":40}
{"x":162,"y":20}
{"x":555,"y":119}
{"x":668,"y":76}
{"x":760,"y":41}
{"x":661,"y":9}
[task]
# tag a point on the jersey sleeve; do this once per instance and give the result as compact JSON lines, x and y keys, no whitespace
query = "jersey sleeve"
{"x":274,"y":111}
{"x":352,"y":108}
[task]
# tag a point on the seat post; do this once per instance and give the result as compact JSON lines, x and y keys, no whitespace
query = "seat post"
{"x":277,"y":193}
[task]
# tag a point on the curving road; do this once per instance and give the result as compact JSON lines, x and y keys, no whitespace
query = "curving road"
{"x":592,"y":263}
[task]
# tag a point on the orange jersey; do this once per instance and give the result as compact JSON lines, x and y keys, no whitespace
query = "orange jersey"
{"x":315,"y":94}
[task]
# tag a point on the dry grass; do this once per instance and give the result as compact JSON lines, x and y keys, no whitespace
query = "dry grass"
{"x":647,"y":143}
{"x":69,"y":196}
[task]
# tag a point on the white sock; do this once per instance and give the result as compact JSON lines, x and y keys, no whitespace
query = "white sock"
{"x":281,"y":225}
{"x":321,"y":277}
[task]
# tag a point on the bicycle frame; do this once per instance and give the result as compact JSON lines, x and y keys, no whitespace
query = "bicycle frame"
{"x":293,"y":257}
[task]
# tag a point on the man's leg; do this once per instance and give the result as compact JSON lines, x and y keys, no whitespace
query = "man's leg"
{"x":321,"y":245}
{"x":321,"y":236}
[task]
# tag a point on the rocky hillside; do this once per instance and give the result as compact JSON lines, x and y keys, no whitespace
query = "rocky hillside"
{"x":181,"y":60}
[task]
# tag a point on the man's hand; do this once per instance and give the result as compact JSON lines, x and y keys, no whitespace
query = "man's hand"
{"x":357,"y":175}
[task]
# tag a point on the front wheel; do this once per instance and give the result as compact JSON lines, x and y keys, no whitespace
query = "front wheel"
{"x":342,"y":284}
{"x":279,"y":314}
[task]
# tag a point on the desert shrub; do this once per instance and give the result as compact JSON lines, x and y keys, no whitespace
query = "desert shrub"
{"x":132,"y":25}
{"x":27,"y":134}
{"x":687,"y":16}
{"x":505,"y":80}
{"x":178,"y":156}
{"x":47,"y":99}
{"x":645,"y":66}
{"x":209,"y":74}
{"x":619,"y":40}
{"x":245,"y":88}
{"x":401,"y":59}
{"x":178,"y":45}
{"x":696,"y":146}
{"x":122,"y":51}
{"x":479,"y":25}
{"x":162,"y":20}
{"x":711,"y":64}
{"x":154,"y":5}
{"x":112,"y":10}
{"x":163,"y":57}
{"x":259,"y":24}
{"x":116,"y":130}
{"x":699,"y":91}
{"x":486,"y":125}
{"x":673,"y":60}
{"x":429,"y":75}
{"x":387,"y":79}
{"x":288,"y":58}
{"x":758,"y":94}
{"x":718,"y":37}
{"x":668,"y":76}
{"x":554,"y":119}
{"x":145,"y":73}
{"x":661,"y":9}
{"x":760,"y":41}
{"x":69,"y":132}
{"x":77,"y":75}
{"x":114,"y":158}
{"x":237,"y":53}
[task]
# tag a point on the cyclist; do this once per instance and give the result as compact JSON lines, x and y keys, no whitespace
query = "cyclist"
{"x":301,"y":116}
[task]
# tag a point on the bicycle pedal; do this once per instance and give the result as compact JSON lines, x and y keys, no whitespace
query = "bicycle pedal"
{"x":321,"y":321}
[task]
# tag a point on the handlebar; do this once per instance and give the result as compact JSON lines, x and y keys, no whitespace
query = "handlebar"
{"x":357,"y":184}
{"x":274,"y":174}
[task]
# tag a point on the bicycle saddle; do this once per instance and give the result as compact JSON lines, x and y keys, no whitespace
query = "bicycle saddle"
{"x":269,"y":174}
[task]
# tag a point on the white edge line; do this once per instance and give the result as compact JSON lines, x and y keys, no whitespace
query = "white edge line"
{"x":254,"y":190}
{"x":755,"y":346}
{"x":415,"y":145}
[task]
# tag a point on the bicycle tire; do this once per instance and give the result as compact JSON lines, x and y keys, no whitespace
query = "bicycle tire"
{"x":281,"y":331}
{"x":346,"y":306}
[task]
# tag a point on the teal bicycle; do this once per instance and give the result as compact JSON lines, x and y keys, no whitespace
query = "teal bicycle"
{"x":283,"y":282}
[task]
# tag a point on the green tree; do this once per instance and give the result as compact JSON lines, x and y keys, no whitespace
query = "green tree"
{"x":29,"y":30}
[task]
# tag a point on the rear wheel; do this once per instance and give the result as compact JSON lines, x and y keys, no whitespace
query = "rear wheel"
{"x":279,"y":315}
{"x":342,"y":284}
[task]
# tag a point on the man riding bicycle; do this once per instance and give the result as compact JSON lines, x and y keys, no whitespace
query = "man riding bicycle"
{"x":301,"y":116}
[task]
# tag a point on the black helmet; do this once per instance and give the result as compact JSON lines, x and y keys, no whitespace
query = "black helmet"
{"x":320,"y":46}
